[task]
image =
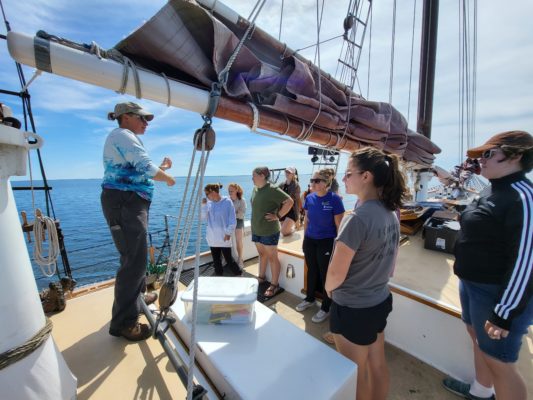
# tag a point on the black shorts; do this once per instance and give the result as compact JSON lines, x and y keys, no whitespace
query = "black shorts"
{"x":360,"y":325}
{"x":291,"y":214}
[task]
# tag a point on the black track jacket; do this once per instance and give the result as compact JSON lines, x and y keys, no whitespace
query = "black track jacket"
{"x":495,"y":244}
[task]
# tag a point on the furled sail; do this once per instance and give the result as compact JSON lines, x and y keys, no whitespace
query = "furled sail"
{"x":187,"y":42}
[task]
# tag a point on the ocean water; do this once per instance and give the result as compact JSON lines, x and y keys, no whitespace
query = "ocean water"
{"x":91,"y":252}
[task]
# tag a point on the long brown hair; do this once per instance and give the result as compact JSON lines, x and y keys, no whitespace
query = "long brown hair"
{"x":238,"y":189}
{"x":386,"y":172}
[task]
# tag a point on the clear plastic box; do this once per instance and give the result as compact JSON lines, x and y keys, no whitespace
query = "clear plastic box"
{"x":222,"y":300}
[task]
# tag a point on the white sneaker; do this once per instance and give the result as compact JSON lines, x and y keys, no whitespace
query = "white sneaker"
{"x":304,"y":305}
{"x":320,"y":316}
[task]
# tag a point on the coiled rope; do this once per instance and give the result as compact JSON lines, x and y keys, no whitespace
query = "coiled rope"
{"x":47,"y":263}
{"x":10,"y":357}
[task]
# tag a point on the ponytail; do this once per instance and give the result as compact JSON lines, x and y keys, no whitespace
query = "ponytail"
{"x":385,"y":169}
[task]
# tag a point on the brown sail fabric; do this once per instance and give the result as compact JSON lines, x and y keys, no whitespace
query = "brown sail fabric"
{"x":188,"y":43}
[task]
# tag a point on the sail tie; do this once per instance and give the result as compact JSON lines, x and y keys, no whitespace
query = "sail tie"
{"x":255,"y":122}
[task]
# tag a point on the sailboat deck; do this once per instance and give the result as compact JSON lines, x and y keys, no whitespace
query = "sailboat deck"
{"x":111,"y":367}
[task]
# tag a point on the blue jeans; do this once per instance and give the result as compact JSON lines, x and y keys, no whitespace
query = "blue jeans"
{"x":478,"y":301}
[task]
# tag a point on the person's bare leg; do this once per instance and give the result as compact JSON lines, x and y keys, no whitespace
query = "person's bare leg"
{"x":287,"y":227}
{"x":359,"y":355}
{"x":483,"y":373}
{"x":238,"y":243}
{"x":275,"y":266}
{"x":508,"y":383}
{"x":263,"y":259}
{"x":378,"y":369}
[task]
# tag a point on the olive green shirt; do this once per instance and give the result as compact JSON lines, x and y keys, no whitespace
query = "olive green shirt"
{"x":266,"y":200}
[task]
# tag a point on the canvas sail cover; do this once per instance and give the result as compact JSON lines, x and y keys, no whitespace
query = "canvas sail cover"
{"x":186,"y":42}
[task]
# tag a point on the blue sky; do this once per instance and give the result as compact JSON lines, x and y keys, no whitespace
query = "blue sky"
{"x":71,"y":116}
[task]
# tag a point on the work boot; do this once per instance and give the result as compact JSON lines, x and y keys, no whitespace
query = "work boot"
{"x":134,"y":333}
{"x":150,"y":298}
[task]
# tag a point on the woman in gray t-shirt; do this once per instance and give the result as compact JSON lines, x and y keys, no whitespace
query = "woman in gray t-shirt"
{"x":361,"y":264}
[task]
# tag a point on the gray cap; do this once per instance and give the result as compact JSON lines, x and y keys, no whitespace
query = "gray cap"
{"x":130,"y":108}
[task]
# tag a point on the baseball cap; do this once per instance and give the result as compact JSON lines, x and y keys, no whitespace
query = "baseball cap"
{"x":130,"y":108}
{"x":510,"y":138}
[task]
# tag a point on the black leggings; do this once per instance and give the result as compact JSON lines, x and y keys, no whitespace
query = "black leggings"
{"x":217,"y":253}
{"x":317,"y":255}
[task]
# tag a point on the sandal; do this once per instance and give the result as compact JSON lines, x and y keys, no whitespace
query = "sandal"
{"x":272,"y":290}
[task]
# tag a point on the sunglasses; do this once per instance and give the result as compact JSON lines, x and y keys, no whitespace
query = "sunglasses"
{"x":318,"y":180}
{"x":488,"y":154}
{"x":141,"y":117}
{"x":347,"y":174}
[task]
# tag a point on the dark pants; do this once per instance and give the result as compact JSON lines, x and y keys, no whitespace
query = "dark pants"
{"x":217,"y":253}
{"x":317,"y":253}
{"x":126,"y":214}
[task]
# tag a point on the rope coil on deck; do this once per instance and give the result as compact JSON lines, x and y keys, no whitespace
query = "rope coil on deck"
{"x":18,"y":353}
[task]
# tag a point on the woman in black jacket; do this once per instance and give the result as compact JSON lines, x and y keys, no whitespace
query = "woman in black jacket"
{"x":494,"y":262}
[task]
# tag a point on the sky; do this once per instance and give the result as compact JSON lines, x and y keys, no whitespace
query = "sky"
{"x":71,"y":116}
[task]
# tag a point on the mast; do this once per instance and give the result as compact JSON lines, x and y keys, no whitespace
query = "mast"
{"x":428,"y":54}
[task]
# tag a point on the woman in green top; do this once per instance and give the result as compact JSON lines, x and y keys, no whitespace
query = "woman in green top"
{"x":269,"y":203}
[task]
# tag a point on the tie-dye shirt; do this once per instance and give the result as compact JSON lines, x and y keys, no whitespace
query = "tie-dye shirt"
{"x":127,"y":165}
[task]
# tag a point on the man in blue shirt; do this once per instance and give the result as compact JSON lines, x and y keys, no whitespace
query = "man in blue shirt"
{"x":127,"y":191}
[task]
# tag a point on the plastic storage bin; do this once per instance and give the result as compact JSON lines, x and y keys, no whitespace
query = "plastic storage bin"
{"x":222,"y":300}
{"x":440,"y":234}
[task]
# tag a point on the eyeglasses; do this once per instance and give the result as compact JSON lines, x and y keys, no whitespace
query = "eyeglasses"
{"x":488,"y":154}
{"x":347,"y":174}
{"x":318,"y":180}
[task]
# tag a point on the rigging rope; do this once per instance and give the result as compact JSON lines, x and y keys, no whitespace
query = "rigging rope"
{"x":411,"y":67}
{"x":393,"y":41}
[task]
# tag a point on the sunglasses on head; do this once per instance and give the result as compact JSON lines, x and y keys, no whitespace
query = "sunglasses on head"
{"x":488,"y":154}
{"x":316,"y":180}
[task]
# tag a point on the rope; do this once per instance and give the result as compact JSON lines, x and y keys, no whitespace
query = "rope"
{"x":192,"y":346}
{"x":411,"y":68}
{"x":255,"y":123}
{"x":168,"y":88}
{"x":223,"y":75}
{"x":281,"y":19}
{"x":53,"y":247}
{"x":10,"y":357}
{"x":393,"y":41}
{"x":125,"y":74}
{"x":319,"y":15}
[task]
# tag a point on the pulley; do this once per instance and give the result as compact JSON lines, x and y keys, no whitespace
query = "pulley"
{"x":207,"y":132}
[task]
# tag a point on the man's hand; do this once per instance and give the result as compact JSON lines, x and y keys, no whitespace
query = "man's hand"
{"x":166,"y":164}
{"x":227,"y":237}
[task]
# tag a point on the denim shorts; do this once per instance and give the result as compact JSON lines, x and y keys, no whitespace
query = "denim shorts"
{"x":269,"y":240}
{"x":240,"y":223}
{"x":477,"y":302}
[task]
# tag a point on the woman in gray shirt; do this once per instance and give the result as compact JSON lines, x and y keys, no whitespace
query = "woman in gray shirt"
{"x":362,"y":262}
